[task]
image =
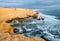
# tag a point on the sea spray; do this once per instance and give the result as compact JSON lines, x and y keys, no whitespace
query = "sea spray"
{"x":49,"y":28}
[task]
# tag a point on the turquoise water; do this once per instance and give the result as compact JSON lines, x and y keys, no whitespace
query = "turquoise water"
{"x":49,"y":10}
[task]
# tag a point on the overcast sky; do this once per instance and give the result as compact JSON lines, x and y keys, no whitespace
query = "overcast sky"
{"x":30,"y":3}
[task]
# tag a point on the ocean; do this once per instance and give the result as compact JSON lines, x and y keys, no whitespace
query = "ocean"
{"x":49,"y":28}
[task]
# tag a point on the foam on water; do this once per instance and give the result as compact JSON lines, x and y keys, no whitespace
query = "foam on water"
{"x":49,"y":28}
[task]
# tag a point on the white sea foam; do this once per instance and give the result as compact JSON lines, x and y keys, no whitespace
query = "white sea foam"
{"x":47,"y":28}
{"x":50,"y":26}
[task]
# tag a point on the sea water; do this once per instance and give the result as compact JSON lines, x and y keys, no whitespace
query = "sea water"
{"x":49,"y":28}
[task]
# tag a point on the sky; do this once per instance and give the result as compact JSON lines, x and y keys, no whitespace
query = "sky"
{"x":37,"y":4}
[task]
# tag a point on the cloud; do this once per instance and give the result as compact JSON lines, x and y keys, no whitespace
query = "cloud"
{"x":11,"y":3}
{"x":30,"y":3}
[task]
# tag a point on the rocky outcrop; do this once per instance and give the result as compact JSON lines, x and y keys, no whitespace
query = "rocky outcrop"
{"x":17,"y":37}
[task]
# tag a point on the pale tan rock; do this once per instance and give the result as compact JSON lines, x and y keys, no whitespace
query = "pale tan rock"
{"x":11,"y":13}
{"x":7,"y":14}
{"x":6,"y":31}
{"x":5,"y":37}
{"x":17,"y":37}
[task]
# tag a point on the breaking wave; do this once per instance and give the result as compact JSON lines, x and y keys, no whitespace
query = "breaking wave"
{"x":49,"y":28}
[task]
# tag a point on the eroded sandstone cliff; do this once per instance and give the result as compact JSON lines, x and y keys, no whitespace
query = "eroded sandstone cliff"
{"x":17,"y":37}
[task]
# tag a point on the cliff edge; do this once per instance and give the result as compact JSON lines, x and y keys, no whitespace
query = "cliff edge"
{"x":17,"y":37}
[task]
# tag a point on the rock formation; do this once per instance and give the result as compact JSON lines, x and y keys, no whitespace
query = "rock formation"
{"x":17,"y":37}
{"x":7,"y":31}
